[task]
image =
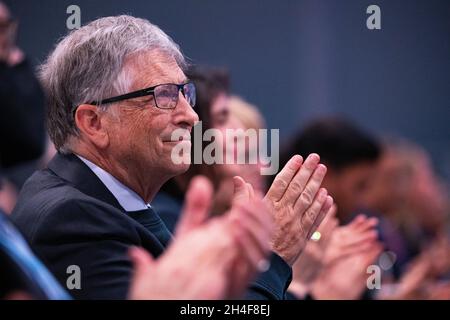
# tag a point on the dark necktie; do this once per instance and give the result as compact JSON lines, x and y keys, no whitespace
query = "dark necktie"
{"x":153,"y":223}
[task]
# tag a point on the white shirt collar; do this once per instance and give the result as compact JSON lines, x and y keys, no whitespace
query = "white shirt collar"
{"x":127,"y":198}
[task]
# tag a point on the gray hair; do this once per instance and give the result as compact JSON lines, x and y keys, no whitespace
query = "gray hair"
{"x":87,"y":65}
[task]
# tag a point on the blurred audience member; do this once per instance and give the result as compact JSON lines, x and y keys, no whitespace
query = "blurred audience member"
{"x":407,"y":191}
{"x":427,"y":276}
{"x":242,"y":116}
{"x":22,"y":107}
{"x":350,"y":155}
{"x":334,"y":262}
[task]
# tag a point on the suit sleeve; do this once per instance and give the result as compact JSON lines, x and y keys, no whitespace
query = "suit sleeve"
{"x":272,"y":284}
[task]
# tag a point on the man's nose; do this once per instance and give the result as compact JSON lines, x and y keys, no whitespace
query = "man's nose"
{"x":185,"y":116}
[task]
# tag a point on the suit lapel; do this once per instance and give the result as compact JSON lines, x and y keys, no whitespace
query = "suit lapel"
{"x":70,"y":168}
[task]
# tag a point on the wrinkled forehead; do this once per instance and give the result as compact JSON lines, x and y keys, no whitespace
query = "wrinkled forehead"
{"x":151,"y":68}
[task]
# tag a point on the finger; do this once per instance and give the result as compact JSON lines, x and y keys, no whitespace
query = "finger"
{"x":312,"y":186}
{"x":257,"y":220}
{"x":306,"y":183}
{"x":358,"y":239}
{"x":368,"y":224}
{"x":257,"y":211}
{"x":323,"y":211}
{"x":250,"y":191}
{"x":328,"y":225}
{"x":359,"y":218}
{"x":283,"y":179}
{"x":329,"y":221}
{"x":262,"y":215}
{"x":241,"y":191}
{"x":238,"y":277}
{"x":358,"y":221}
{"x":249,"y":245}
{"x":309,"y":216}
{"x":373,"y":253}
{"x":354,"y":224}
{"x":140,"y":259}
{"x":359,"y":231}
{"x":196,"y":206}
{"x":256,"y":228}
{"x":356,"y":249}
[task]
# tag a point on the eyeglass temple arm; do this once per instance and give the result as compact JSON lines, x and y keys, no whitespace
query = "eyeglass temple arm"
{"x":135,"y":94}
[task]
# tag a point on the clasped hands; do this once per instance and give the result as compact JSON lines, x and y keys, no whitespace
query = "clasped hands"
{"x":216,"y":258}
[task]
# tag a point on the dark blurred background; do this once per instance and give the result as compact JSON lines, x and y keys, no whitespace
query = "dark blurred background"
{"x":299,"y":59}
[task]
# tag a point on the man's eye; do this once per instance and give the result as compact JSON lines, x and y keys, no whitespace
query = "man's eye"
{"x":165,"y":93}
{"x":143,"y":102}
{"x":147,"y":100}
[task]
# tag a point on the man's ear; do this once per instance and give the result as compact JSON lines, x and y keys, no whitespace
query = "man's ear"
{"x":88,"y":119}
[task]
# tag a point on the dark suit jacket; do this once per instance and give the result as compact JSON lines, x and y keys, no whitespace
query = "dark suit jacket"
{"x":70,"y":218}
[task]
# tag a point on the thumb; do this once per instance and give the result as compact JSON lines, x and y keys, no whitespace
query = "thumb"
{"x":140,"y":259}
{"x":329,"y":223}
{"x":241,"y":192}
{"x":196,"y":206}
{"x":143,"y":273}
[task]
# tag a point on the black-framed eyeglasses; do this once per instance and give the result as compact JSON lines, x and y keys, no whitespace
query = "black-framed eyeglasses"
{"x":165,"y":95}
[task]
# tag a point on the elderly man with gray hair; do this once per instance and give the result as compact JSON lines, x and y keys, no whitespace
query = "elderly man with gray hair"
{"x":117,"y":91}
